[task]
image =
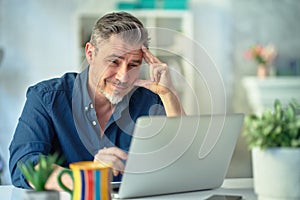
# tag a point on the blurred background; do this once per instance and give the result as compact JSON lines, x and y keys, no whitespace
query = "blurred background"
{"x":42,"y":39}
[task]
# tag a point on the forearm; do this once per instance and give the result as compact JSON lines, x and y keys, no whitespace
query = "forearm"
{"x":172,"y":104}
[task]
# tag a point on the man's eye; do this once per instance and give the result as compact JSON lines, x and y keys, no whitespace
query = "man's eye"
{"x":133,"y":65}
{"x":114,"y":61}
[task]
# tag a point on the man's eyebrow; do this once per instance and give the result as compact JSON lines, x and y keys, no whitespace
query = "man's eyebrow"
{"x":137,"y":61}
{"x":116,"y":56}
{"x":121,"y":57}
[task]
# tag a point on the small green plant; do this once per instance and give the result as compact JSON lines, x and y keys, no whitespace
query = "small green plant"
{"x":279,"y":127}
{"x":39,"y":175}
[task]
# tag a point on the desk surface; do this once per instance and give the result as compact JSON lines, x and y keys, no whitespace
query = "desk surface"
{"x":242,"y":187}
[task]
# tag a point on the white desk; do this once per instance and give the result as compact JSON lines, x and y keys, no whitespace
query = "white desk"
{"x":243,"y":187}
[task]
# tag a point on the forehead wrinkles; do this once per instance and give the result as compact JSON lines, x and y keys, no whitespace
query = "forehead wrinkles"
{"x":117,"y":45}
{"x":128,"y":55}
{"x":121,"y":49}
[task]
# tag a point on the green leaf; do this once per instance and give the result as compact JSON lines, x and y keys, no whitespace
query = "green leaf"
{"x":279,"y":127}
{"x":39,"y":175}
{"x":290,"y":113}
{"x":295,"y":143}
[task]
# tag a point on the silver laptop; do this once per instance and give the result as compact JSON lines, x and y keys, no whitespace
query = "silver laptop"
{"x":179,"y":154}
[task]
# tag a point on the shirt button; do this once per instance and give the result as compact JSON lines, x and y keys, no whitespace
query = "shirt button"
{"x":94,"y":123}
{"x":86,"y":108}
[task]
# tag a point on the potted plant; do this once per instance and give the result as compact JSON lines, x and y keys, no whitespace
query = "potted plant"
{"x":263,"y":56}
{"x":38,"y":175}
{"x":274,"y":138}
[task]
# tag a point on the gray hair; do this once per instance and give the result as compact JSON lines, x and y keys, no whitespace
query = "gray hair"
{"x":123,"y":24}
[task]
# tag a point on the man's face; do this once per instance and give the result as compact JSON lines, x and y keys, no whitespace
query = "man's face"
{"x":114,"y":68}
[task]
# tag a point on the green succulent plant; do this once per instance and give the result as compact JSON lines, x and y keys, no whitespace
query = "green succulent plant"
{"x":38,"y":176}
{"x":279,"y":127}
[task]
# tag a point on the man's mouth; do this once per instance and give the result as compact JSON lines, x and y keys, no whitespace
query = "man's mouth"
{"x":118,"y":85}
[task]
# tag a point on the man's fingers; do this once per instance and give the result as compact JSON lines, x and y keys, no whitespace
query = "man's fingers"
{"x":149,"y":57}
{"x":156,"y":66}
{"x":115,"y":172}
{"x":157,"y":72}
{"x":151,"y":72}
{"x":114,"y":156}
{"x":117,"y":164}
{"x":153,"y":86}
{"x":146,"y":55}
{"x":115,"y":151}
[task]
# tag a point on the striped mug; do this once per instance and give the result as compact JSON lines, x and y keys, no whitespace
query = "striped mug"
{"x":91,"y":180}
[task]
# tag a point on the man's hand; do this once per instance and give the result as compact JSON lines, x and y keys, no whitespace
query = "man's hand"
{"x":161,"y":83}
{"x":114,"y":156}
{"x":160,"y":79}
{"x":52,"y":183}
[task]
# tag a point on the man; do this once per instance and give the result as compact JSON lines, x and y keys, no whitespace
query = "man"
{"x":91,"y":115}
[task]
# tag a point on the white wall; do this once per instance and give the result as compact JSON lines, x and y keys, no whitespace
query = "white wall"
{"x":213,"y":33}
{"x":40,"y":41}
{"x":264,"y":22}
{"x":214,"y":30}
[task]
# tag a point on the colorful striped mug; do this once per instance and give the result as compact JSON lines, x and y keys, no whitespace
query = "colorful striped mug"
{"x":91,"y":180}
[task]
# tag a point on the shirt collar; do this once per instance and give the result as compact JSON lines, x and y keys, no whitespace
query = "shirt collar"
{"x":83,"y":80}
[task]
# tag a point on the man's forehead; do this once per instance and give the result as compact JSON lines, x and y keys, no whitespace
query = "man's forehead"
{"x":119,"y":46}
{"x":126,"y":49}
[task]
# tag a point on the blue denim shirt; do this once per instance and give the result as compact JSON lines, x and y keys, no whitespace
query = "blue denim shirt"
{"x":59,"y":116}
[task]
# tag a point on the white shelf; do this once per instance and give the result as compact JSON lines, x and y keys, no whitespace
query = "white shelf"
{"x":262,"y":92}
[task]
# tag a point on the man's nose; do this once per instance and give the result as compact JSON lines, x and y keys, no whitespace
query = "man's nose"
{"x":123,"y":73}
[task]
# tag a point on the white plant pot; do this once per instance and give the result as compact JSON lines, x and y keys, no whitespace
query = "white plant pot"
{"x":276,"y":173}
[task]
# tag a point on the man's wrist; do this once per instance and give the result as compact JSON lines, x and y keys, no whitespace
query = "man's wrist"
{"x":172,"y":104}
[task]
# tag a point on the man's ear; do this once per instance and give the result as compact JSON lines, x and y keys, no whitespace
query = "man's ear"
{"x":89,"y":52}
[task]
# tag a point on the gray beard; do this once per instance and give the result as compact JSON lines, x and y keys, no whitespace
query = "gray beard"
{"x":113,"y":99}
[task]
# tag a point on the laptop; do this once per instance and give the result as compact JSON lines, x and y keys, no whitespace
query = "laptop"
{"x":179,"y":154}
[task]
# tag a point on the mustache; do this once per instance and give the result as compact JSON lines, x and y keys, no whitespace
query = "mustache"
{"x":118,"y":82}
